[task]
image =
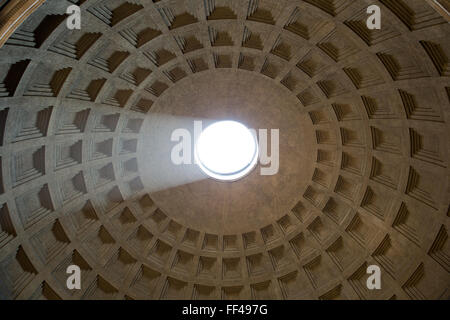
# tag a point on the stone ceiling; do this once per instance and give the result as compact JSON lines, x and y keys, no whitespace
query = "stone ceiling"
{"x":85,"y":122}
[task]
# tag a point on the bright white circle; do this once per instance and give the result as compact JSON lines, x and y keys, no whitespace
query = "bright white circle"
{"x":226,"y":150}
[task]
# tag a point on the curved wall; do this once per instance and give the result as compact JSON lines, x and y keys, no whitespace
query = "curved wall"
{"x":76,"y":108}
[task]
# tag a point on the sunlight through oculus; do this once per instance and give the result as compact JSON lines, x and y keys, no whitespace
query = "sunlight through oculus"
{"x":226,"y":150}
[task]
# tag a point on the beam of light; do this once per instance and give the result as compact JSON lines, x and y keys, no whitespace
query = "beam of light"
{"x":157,"y":170}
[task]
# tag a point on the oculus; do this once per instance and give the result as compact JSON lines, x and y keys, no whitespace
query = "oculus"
{"x":226,"y":150}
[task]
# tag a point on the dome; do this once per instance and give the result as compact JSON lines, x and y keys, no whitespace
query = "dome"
{"x":362,"y":120}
